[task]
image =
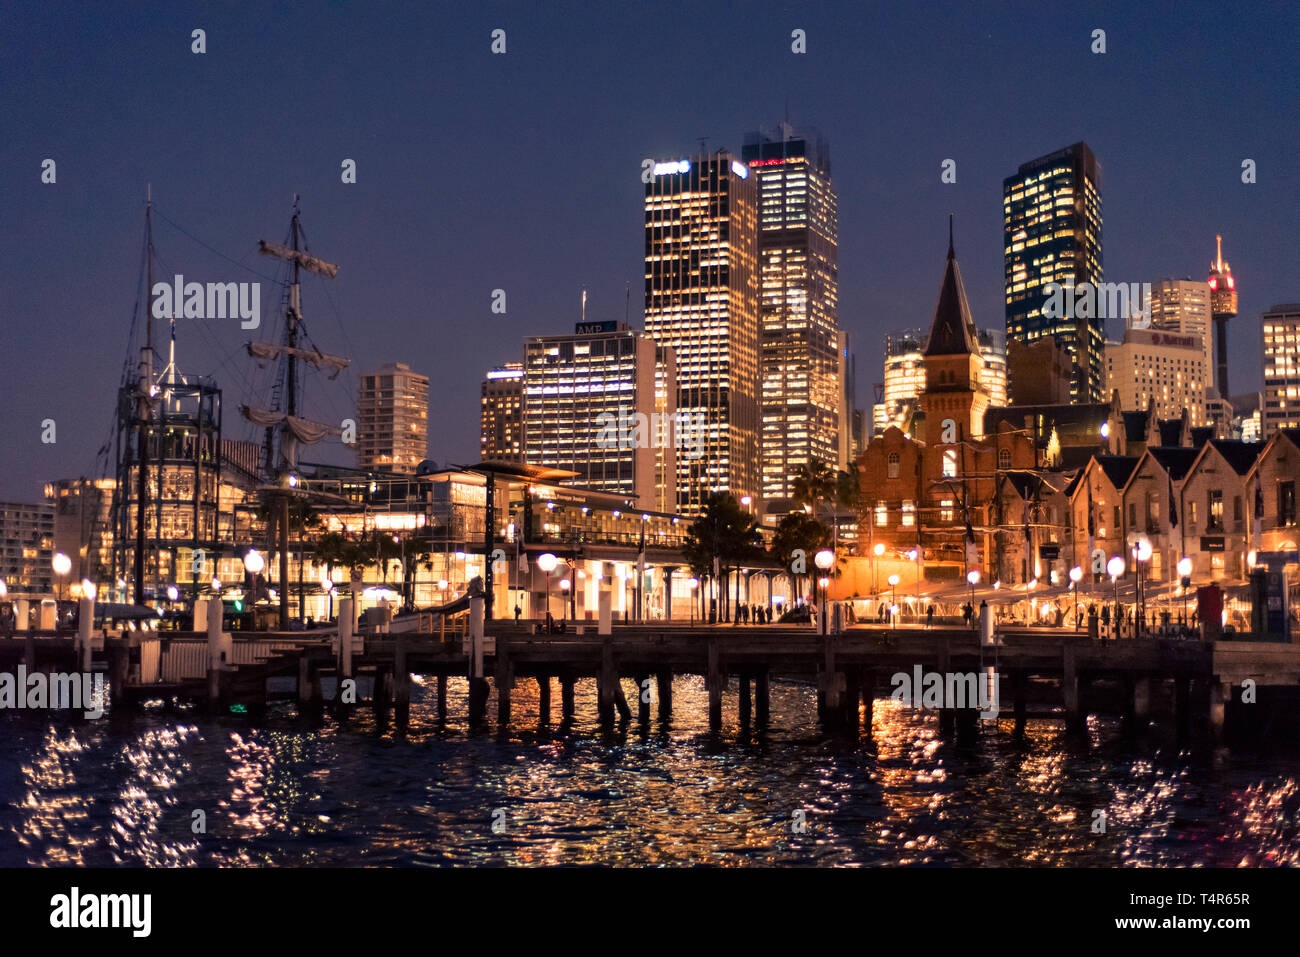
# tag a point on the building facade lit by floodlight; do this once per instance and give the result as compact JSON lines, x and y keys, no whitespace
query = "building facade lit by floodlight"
{"x":800,"y":365}
{"x":1051,"y":211}
{"x":904,"y":379}
{"x":1182,"y":307}
{"x":701,"y":298}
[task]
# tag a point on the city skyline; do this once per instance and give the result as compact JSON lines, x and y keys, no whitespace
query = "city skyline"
{"x":406,"y":289}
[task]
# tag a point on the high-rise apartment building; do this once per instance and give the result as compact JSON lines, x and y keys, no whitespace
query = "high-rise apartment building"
{"x":1052,"y":234}
{"x":800,"y":360}
{"x":1165,"y":367}
{"x":602,"y":402}
{"x":27,"y":547}
{"x":393,"y":432}
{"x":501,"y":414}
{"x":1281,"y":347}
{"x":1182,"y":307}
{"x":701,"y":298}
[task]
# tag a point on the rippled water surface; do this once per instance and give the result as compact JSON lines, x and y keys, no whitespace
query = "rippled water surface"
{"x":73,"y":792}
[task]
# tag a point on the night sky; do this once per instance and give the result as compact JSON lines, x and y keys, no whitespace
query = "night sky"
{"x":522,"y":171}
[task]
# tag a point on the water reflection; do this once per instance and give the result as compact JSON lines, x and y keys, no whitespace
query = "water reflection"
{"x":568,"y":793}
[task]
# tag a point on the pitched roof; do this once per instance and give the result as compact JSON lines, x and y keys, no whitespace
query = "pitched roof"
{"x":953,"y":331}
{"x":1117,"y":467}
{"x":1171,"y":430}
{"x":1175,"y":460}
{"x":1202,"y":434}
{"x":1135,"y":425}
{"x":1240,"y":455}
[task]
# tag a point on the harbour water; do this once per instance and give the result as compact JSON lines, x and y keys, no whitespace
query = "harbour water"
{"x":74,"y":792}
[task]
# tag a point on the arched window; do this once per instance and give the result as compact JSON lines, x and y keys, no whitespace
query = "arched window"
{"x":893,"y":465}
{"x":1004,"y":458}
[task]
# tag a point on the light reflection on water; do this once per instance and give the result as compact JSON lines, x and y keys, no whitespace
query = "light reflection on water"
{"x":282,"y":793}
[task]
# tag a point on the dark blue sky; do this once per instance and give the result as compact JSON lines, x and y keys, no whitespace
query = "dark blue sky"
{"x":522,"y":172}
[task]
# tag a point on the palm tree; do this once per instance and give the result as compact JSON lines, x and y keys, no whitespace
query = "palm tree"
{"x":725,"y":532}
{"x":797,"y":539}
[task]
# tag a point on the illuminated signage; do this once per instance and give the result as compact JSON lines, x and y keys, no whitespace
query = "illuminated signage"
{"x":506,"y":374}
{"x":740,"y":169}
{"x":667,"y":169}
{"x":590,"y":328}
{"x":767,"y":162}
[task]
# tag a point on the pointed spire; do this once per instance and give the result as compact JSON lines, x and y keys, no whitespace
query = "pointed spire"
{"x":953,"y":331}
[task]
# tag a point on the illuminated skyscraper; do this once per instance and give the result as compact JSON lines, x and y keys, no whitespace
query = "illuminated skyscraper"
{"x":701,"y":298}
{"x":1281,"y":345}
{"x":501,"y":414}
{"x":1051,"y":214}
{"x":393,"y":433}
{"x":601,"y":402}
{"x":1223,"y":305}
{"x":800,"y":368}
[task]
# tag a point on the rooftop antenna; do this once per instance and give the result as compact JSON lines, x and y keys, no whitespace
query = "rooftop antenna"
{"x":584,"y":305}
{"x":627,"y":302}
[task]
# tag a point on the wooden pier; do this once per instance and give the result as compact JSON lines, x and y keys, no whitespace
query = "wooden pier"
{"x":1202,"y":681}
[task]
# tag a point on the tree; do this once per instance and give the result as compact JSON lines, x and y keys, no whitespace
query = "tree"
{"x":814,"y":483}
{"x":797,"y":539}
{"x":723,"y":531}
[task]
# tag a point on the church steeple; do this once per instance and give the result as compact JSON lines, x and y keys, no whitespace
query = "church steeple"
{"x":953,"y":331}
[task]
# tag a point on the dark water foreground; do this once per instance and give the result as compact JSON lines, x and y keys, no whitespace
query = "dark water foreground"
{"x":73,"y":792}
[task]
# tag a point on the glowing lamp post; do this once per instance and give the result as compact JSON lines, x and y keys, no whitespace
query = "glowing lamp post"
{"x":972,"y":579}
{"x":694,"y":583}
{"x":547,"y":562}
{"x":824,"y":560}
{"x":1115,"y":568}
{"x":1076,"y":575}
{"x":61,"y":564}
{"x":893,"y":603}
{"x":1185,"y":581}
{"x":875,"y":564}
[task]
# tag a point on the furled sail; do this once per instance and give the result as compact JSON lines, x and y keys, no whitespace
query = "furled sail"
{"x":321,"y":360}
{"x":306,"y":261}
{"x":304,"y":430}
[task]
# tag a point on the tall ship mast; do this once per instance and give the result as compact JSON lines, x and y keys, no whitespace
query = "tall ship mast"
{"x":285,"y":429}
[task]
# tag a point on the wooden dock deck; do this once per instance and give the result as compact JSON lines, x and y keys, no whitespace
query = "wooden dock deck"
{"x":1205,"y":679}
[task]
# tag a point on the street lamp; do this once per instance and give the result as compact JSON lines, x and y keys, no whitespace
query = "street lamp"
{"x":253,"y":565}
{"x":875,"y":565}
{"x":87,"y":589}
{"x":564,"y":593}
{"x":972,"y":579}
{"x":1185,"y":582}
{"x":824,"y":560}
{"x":893,"y":603}
{"x":1076,"y":575}
{"x":695,"y":583}
{"x":62,"y":564}
{"x":1115,"y":567}
{"x":547,"y":562}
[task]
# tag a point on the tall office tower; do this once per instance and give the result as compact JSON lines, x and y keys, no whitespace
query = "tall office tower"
{"x":1281,"y":368}
{"x":601,"y":402}
{"x":501,"y":414}
{"x":905,"y":375}
{"x":800,"y":363}
{"x":1051,"y":214}
{"x":1223,"y":306}
{"x":1182,"y":307}
{"x":701,"y":298}
{"x":1166,"y":367}
{"x":393,"y":433}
